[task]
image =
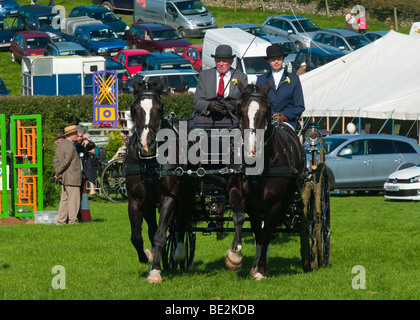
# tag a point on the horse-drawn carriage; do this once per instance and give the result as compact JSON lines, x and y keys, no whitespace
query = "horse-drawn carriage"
{"x":261,"y":170}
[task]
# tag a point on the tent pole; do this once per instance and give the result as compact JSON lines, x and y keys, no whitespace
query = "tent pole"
{"x":360,"y":125}
{"x":328,"y":123}
{"x":393,"y":126}
{"x":343,"y":125}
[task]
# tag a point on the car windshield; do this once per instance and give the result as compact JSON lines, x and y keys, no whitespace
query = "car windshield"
{"x":191,"y":7}
{"x":257,"y":31}
{"x":305,"y":25}
{"x":165,"y":35}
{"x":331,"y":143}
{"x":105,"y":16}
{"x":45,"y":21}
{"x":357,"y":41}
{"x":133,"y":61}
{"x":176,"y":80}
{"x":256,"y":65}
{"x":3,"y":25}
{"x":102,"y":34}
{"x":34,"y":43}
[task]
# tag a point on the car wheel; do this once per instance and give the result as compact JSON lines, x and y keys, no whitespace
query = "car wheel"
{"x":108,"y":5}
{"x":182,"y":32}
{"x":299,"y":45}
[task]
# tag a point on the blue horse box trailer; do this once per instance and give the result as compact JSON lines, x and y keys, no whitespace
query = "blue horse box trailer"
{"x":55,"y":75}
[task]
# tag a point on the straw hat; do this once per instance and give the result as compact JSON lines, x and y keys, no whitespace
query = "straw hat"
{"x":69,"y":130}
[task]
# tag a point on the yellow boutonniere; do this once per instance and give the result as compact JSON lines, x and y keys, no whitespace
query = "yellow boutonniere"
{"x":287,"y":80}
{"x":235,"y":81}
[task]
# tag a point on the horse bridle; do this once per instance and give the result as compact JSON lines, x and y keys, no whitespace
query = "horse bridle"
{"x":254,"y":94}
{"x":137,"y":129}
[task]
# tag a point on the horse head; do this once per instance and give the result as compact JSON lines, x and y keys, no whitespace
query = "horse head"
{"x":255,"y":113}
{"x":147,"y":113}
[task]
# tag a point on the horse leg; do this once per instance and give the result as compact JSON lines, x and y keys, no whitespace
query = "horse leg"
{"x":167,"y":207}
{"x":271,"y":220}
{"x":256,"y":226}
{"x":136,"y":221}
{"x":233,"y":260}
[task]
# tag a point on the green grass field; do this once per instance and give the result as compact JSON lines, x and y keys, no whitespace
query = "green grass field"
{"x":10,"y":72}
{"x":100,"y":262}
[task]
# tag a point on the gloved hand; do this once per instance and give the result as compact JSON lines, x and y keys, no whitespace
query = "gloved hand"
{"x":215,"y":106}
{"x":279,"y":117}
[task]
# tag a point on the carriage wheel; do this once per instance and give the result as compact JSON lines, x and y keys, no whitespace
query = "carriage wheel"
{"x":308,"y":229}
{"x":168,"y":260}
{"x":113,"y":181}
{"x":322,"y":205}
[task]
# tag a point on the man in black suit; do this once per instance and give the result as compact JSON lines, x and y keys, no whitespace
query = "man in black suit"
{"x":217,"y":92}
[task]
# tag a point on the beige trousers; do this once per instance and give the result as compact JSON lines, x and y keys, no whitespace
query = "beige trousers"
{"x":69,"y":205}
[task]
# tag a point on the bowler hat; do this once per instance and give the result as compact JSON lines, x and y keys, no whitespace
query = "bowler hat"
{"x":69,"y":130}
{"x":275,"y":50}
{"x":223,"y":51}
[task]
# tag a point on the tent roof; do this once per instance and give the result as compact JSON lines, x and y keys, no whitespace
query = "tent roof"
{"x":380,"y":80}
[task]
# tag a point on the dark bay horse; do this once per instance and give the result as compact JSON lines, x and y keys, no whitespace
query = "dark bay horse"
{"x":267,"y":194}
{"x":145,"y":187}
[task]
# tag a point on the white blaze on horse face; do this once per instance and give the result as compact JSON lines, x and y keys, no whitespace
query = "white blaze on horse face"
{"x":252,"y":112}
{"x":146,"y":105}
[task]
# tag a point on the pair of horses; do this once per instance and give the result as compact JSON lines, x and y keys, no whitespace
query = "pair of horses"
{"x":266,"y":196}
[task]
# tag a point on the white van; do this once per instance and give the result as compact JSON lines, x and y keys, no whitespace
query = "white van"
{"x":415,"y":29}
{"x":250,"y":51}
{"x":189,"y":17}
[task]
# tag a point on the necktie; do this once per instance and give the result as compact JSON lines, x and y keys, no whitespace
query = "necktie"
{"x":221,"y":88}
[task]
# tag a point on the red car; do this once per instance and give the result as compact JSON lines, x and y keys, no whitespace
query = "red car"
{"x":131,"y":59}
{"x":194,"y":53}
{"x":28,"y":43}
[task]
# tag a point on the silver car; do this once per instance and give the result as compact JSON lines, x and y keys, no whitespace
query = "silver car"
{"x":340,"y":39}
{"x":364,"y":161}
{"x":297,"y":28}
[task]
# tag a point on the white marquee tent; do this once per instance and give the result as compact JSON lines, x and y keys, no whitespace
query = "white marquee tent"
{"x":380,"y":80}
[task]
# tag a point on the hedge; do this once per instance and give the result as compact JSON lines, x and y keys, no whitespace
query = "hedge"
{"x":57,"y":112}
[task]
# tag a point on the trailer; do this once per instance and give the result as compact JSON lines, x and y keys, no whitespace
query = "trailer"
{"x":59,"y":75}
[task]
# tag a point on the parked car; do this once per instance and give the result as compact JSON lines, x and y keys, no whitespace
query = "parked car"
{"x":340,"y":39}
{"x":175,"y":79}
{"x":9,"y":8}
{"x":131,"y":59}
{"x":364,"y":161}
{"x":6,"y":34}
{"x":65,"y":48}
{"x":102,"y":14}
{"x":3,"y":88}
{"x":194,"y":53}
{"x":156,"y":37}
{"x":375,"y":35}
{"x":38,"y":17}
{"x":315,"y":57}
{"x":403,"y":184}
{"x":256,"y":30}
{"x":28,"y":43}
{"x":297,"y":28}
{"x":112,"y":5}
{"x":165,"y":60}
{"x":190,"y":18}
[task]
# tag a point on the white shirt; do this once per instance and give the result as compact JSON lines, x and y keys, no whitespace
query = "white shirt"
{"x":277,"y":76}
{"x":226,"y":79}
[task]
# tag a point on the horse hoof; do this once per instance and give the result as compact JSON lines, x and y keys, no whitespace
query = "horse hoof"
{"x":259,"y":276}
{"x":149,"y":254}
{"x":233,"y":260}
{"x":154,"y":276}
